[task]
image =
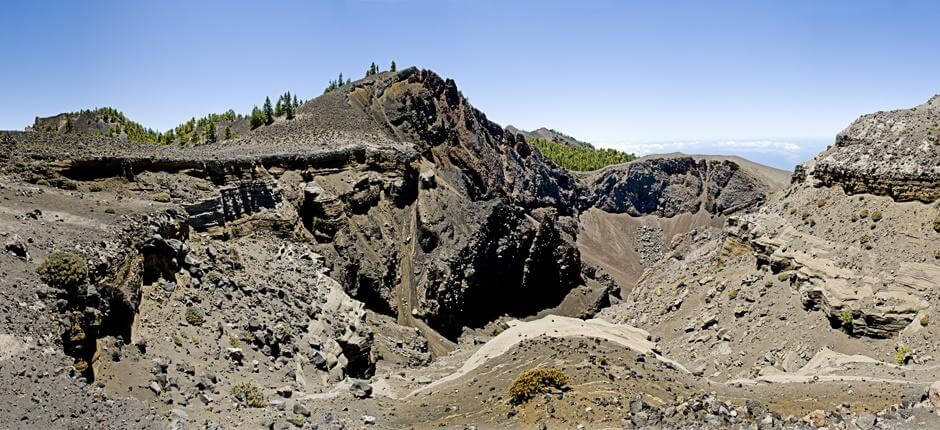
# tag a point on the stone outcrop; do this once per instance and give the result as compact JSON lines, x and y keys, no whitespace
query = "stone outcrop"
{"x":867,"y":302}
{"x":671,"y":185}
{"x":894,"y":153}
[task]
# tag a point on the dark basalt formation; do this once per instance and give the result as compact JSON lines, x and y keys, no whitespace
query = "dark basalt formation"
{"x":669,"y":186}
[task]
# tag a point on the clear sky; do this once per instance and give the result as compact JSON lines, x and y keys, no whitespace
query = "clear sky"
{"x":772,"y":81}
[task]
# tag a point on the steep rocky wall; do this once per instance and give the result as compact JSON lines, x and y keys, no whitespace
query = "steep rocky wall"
{"x":479,"y":156}
{"x":672,"y":185}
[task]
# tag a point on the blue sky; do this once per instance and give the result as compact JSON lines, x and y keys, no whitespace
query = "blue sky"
{"x":772,"y":81}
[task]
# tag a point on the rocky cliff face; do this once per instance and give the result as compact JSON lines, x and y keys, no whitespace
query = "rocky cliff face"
{"x":669,"y":186}
{"x":422,"y":207}
{"x":894,"y":153}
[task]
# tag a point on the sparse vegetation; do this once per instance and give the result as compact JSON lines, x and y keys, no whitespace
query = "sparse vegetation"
{"x":876,"y":215}
{"x":733,"y":293}
{"x":863,"y":214}
{"x":536,"y":381}
{"x":63,"y":270}
{"x":336,"y":84}
{"x":161,"y":197}
{"x":250,"y":394}
{"x":580,"y":159}
{"x":373,"y":70}
{"x":257,"y":118}
{"x":924,"y":320}
{"x":845,"y":317}
{"x":821,"y":202}
{"x":902,"y":354}
{"x":194,"y":316}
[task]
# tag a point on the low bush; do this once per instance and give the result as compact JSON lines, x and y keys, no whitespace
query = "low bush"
{"x":846,"y":317}
{"x":536,"y":381}
{"x":63,"y":270}
{"x":250,"y":394}
{"x":194,"y":316}
{"x":901,"y":354}
{"x":161,"y":197}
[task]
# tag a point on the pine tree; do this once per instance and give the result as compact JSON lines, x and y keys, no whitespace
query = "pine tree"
{"x":393,"y":68}
{"x":257,"y":118}
{"x":210,"y":132}
{"x":340,"y":79}
{"x":279,"y":106}
{"x":295,"y":103}
{"x":68,"y":124}
{"x":169,"y":137}
{"x":228,"y":133}
{"x":268,"y":112}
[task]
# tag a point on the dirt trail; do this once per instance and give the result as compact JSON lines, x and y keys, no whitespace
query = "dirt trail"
{"x":554,"y":326}
{"x":439,"y":345}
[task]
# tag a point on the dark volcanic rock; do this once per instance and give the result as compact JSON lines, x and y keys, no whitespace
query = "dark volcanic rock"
{"x":669,"y":186}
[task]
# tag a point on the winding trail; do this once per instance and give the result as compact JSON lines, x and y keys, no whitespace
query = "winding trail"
{"x":554,"y":326}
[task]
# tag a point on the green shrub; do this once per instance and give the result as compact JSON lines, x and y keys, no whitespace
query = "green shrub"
{"x":63,"y":270}
{"x":536,"y":381}
{"x":876,"y":216}
{"x":580,"y":159}
{"x":161,"y":197}
{"x":250,"y":394}
{"x":846,"y":317}
{"x":901,"y":354}
{"x":733,"y":293}
{"x":194,"y":316}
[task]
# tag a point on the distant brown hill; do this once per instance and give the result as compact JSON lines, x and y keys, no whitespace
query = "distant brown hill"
{"x":550,"y":135}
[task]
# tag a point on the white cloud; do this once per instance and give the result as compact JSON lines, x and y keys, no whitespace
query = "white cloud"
{"x":789,"y":149}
